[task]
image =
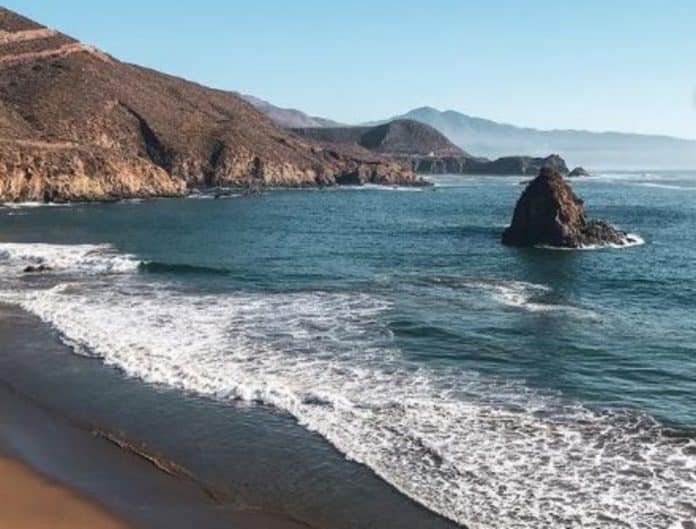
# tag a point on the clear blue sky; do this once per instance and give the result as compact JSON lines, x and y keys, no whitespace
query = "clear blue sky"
{"x":602,"y":65}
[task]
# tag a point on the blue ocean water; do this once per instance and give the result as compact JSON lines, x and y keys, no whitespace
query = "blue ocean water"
{"x":545,"y":387}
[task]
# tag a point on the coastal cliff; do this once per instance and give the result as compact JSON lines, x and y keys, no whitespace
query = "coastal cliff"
{"x":427,"y":150}
{"x":77,"y":124}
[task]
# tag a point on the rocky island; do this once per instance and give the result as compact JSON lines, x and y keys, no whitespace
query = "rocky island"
{"x":77,"y":124}
{"x":550,"y":213}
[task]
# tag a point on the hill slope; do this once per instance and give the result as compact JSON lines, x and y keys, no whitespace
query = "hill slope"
{"x":77,"y":124}
{"x":401,"y":137}
{"x":606,"y":149}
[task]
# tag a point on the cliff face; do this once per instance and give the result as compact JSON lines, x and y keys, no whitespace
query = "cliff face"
{"x":76,"y":124}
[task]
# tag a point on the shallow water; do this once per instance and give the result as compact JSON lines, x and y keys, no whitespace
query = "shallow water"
{"x":488,"y":383}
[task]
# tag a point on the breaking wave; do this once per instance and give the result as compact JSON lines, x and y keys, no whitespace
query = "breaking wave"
{"x":482,"y":452}
{"x":631,"y":239}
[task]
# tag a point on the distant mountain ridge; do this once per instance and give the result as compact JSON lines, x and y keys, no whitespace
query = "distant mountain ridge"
{"x":491,"y":139}
{"x":289,"y":118}
{"x":427,"y":150}
{"x":403,"y":137}
{"x":609,"y":150}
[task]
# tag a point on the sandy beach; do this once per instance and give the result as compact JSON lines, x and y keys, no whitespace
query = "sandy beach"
{"x":29,"y":501}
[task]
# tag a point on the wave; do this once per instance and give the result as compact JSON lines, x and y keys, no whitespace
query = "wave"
{"x":376,"y":187}
{"x":667,"y":186}
{"x":475,"y":450}
{"x":213,"y":196}
{"x":76,"y":258}
{"x":158,"y":267}
{"x":631,"y":240}
{"x":17,"y":205}
{"x":523,"y":295}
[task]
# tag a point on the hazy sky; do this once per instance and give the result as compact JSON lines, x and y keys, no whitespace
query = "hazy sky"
{"x":600,"y":65}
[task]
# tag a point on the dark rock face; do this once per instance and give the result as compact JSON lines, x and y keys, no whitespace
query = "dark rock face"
{"x":550,"y":213}
{"x":578,"y":172}
{"x":516,"y":165}
{"x":35,"y":269}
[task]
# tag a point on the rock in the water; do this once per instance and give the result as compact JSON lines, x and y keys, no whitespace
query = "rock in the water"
{"x":550,"y":213}
{"x":34,"y":269}
{"x":578,"y":171}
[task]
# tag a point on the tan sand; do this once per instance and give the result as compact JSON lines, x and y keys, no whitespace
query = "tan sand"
{"x":29,"y":501}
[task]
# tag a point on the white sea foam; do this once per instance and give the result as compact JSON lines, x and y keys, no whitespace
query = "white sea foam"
{"x":668,"y":186}
{"x":17,"y":205}
{"x":80,"y":258}
{"x":631,"y":240}
{"x":481,"y":452}
{"x":516,"y":294}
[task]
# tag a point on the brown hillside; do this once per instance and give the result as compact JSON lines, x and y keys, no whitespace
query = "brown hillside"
{"x":76,"y":123}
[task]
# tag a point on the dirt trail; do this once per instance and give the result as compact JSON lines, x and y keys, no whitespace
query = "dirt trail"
{"x":7,"y":37}
{"x":61,"y":51}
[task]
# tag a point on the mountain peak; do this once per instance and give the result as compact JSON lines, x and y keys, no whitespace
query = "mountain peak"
{"x":12,"y":22}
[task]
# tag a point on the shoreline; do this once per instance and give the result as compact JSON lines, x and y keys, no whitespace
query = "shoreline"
{"x":100,"y":480}
{"x":157,"y":457}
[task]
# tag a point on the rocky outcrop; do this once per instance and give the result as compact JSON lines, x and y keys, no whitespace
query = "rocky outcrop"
{"x":578,"y":172}
{"x":77,"y":124}
{"x":549,"y":213}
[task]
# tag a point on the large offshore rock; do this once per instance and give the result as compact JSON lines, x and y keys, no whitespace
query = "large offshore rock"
{"x":550,"y":213}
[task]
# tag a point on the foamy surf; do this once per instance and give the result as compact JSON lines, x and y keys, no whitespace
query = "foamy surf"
{"x":522,"y":295}
{"x":480,"y":451}
{"x":78,"y":258}
{"x":20,"y":205}
{"x":630,"y":240}
{"x":668,"y":186}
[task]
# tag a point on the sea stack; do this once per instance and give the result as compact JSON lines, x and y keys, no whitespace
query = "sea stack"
{"x":579,"y":171}
{"x":549,"y":213}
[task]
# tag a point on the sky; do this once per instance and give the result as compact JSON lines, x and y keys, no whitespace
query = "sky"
{"x":584,"y":64}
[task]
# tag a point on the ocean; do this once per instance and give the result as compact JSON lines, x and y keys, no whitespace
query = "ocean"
{"x":494,"y":386}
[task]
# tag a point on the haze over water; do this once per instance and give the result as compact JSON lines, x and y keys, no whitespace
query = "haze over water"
{"x":544,"y":388}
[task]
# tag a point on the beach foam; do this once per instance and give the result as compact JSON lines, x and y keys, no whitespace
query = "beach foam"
{"x":473,"y":449}
{"x":79,"y":258}
{"x":631,"y":240}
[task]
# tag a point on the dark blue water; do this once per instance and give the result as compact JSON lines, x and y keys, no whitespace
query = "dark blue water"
{"x":395,"y":324}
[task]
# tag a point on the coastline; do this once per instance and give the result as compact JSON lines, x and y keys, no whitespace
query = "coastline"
{"x":143,"y":452}
{"x":79,"y":477}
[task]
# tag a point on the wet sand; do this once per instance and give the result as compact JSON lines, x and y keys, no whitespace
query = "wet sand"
{"x":29,"y":501}
{"x":83,"y":480}
{"x":161,"y":458}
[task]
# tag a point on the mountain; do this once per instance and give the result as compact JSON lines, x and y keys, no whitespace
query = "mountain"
{"x":288,"y":117}
{"x":605,"y":150}
{"x":77,"y":124}
{"x":403,"y":137}
{"x":427,"y":150}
